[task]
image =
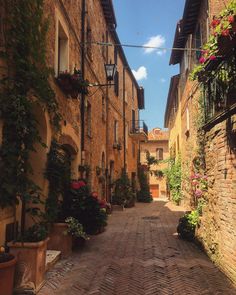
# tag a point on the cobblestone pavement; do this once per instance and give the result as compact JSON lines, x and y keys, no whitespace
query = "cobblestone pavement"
{"x":139,"y":253}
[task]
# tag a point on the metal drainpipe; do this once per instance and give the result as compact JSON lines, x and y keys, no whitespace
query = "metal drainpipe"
{"x":107,"y":132}
{"x":124,"y":129}
{"x":83,"y":12}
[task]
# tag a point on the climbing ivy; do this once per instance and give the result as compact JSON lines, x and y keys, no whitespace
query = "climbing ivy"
{"x":25,"y":84}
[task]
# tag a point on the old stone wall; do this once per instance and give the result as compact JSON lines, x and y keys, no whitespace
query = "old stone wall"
{"x":218,"y":223}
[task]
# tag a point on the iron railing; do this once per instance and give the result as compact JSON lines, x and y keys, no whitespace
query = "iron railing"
{"x":138,"y":126}
{"x":220,"y":94}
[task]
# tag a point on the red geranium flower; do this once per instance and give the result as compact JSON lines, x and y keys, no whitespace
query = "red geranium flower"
{"x":94,"y":195}
{"x":225,"y":32}
{"x":77,"y":184}
{"x":215,"y":22}
{"x":231,"y":19}
{"x":212,"y":57}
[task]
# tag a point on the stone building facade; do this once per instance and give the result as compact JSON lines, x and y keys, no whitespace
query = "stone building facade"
{"x":214,"y":145}
{"x":100,"y":131}
{"x":157,"y":146}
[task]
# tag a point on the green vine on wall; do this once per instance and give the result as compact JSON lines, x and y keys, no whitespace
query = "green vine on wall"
{"x":174,"y":179}
{"x":26,"y":83}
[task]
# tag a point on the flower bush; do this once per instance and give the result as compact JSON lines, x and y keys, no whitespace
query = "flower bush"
{"x":221,"y":26}
{"x":75,"y":228}
{"x":86,"y":207}
{"x":199,"y":184}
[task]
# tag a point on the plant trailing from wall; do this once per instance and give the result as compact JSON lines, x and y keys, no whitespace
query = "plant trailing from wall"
{"x":174,"y":179}
{"x":58,"y":173}
{"x":223,"y":29}
{"x":143,"y":195}
{"x":26,"y":83}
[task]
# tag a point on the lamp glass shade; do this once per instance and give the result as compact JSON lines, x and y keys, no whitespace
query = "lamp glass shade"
{"x":110,"y":71}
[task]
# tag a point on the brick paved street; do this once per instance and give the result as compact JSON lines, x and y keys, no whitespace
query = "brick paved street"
{"x":139,"y":253}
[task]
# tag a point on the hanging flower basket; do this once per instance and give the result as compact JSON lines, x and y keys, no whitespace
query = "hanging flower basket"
{"x":72,"y":84}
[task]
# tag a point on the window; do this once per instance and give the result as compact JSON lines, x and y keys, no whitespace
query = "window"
{"x":63,"y":50}
{"x":89,"y":125}
{"x":159,"y":154}
{"x":116,"y":131}
{"x":116,"y":87}
{"x":103,"y":109}
{"x":198,"y":41}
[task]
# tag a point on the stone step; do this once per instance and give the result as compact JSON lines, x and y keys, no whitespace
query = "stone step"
{"x":52,"y":256}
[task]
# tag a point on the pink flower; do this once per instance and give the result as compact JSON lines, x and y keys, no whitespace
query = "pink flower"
{"x":212,"y":57}
{"x":202,"y":60}
{"x":198,"y":193}
{"x":77,"y":184}
{"x":195,"y":182}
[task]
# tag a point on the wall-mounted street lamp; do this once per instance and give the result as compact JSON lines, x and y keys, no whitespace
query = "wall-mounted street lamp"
{"x":110,"y":70}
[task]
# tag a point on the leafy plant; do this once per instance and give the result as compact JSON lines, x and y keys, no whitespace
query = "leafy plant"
{"x":222,"y":27}
{"x":26,"y":84}
{"x":36,"y":233}
{"x":187,"y":225}
{"x":123,"y":193}
{"x":143,"y":195}
{"x":174,"y":179}
{"x":75,"y":228}
{"x":85,"y":208}
{"x":58,"y":174}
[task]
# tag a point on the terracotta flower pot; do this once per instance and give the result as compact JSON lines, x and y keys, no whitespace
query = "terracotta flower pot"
{"x":59,"y":240}
{"x":31,"y":262}
{"x":7,"y":270}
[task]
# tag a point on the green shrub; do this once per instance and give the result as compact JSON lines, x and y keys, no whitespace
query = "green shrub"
{"x":123,"y":193}
{"x":187,"y":225}
{"x":85,"y":208}
{"x":143,"y":195}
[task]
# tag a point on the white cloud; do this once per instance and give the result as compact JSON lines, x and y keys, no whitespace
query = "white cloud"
{"x":163,"y":80}
{"x":140,"y":74}
{"x":155,"y":41}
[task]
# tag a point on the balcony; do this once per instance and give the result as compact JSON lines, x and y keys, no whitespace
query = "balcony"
{"x":138,"y":130}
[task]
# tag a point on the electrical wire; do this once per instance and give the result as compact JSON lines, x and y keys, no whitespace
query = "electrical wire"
{"x":142,"y":46}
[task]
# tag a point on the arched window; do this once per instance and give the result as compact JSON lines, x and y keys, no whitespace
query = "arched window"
{"x":159,"y":154}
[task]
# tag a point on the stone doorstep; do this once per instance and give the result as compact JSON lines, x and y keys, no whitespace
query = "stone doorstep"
{"x":52,"y":257}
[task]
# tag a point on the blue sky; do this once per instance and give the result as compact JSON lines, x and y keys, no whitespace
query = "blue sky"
{"x":140,"y":22}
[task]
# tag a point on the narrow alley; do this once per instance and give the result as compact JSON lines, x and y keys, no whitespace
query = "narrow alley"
{"x":139,"y":253}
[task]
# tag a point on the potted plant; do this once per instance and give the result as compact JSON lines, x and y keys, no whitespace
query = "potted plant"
{"x":30,"y":251}
{"x":58,"y":175}
{"x":75,"y":229}
{"x":7,"y":269}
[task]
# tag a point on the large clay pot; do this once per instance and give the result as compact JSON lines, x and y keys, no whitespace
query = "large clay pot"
{"x":60,"y":240}
{"x":7,"y":270}
{"x":31,"y":263}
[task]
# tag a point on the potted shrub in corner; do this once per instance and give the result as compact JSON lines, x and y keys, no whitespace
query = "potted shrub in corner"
{"x":30,"y":251}
{"x":7,"y":270}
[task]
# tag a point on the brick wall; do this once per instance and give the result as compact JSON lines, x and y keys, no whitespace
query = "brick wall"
{"x":217,"y":230}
